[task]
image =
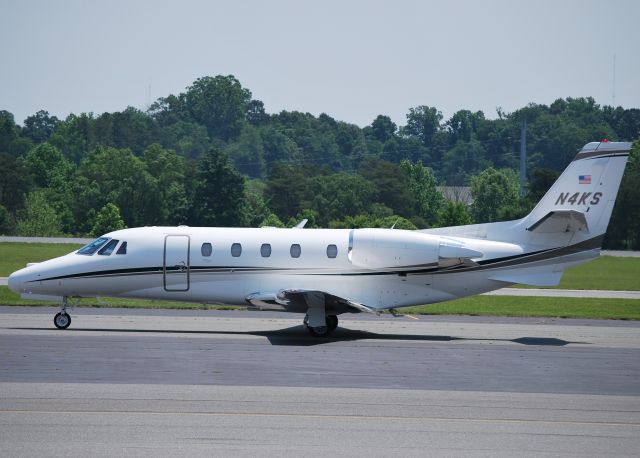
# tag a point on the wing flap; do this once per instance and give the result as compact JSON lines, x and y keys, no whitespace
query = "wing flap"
{"x":294,"y":300}
{"x":265,"y":301}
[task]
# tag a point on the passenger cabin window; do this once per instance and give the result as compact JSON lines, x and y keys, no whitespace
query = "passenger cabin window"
{"x":295,"y":250}
{"x":236,"y":250}
{"x":332,"y":251}
{"x":265,"y":250}
{"x":122,"y":249}
{"x":108,"y":248}
{"x":206,"y":249}
{"x":92,"y":247}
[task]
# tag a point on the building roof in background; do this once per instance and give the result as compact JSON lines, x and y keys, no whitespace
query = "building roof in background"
{"x":457,"y":193}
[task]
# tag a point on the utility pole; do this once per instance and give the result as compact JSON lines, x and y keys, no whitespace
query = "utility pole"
{"x":149,"y":94}
{"x":523,"y":156}
{"x":613,"y":85}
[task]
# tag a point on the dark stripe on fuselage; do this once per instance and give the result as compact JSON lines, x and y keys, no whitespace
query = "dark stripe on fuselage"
{"x":536,"y":256}
{"x":434,"y":268}
{"x":151,"y":270}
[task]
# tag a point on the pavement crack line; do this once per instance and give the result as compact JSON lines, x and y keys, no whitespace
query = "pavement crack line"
{"x":320,"y":416}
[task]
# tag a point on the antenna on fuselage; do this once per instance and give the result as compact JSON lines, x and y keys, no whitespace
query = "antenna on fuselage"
{"x":301,"y":224}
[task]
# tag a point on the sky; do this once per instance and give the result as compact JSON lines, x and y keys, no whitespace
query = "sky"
{"x":352,"y":60}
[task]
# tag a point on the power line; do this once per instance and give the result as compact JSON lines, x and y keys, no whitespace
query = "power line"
{"x":324,"y":159}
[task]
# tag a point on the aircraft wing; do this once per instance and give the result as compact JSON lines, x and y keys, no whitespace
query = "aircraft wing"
{"x":295,"y":300}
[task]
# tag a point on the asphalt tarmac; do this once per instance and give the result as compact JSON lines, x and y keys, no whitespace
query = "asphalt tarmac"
{"x":160,"y":383}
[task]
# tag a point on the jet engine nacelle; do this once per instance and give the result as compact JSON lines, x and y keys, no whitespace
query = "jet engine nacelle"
{"x":382,"y":248}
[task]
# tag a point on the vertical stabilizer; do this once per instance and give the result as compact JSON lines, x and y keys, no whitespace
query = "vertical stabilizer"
{"x":582,"y":198}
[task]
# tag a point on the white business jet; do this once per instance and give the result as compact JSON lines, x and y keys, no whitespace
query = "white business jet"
{"x":326,"y":272}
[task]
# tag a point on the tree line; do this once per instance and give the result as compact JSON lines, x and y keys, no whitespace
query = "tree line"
{"x":213,"y":156}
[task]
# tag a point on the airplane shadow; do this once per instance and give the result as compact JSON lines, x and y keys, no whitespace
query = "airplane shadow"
{"x":297,"y":336}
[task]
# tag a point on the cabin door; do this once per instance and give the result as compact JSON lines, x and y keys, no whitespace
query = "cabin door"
{"x":176,"y":263}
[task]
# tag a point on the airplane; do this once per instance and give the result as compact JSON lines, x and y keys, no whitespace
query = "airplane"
{"x":327,"y":272}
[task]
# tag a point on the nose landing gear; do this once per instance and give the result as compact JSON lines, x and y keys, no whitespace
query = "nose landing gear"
{"x":62,"y":320}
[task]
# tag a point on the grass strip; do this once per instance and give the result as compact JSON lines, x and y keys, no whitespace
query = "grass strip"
{"x":606,"y":272}
{"x":549,"y":307}
{"x":15,"y":255}
{"x":8,"y":297}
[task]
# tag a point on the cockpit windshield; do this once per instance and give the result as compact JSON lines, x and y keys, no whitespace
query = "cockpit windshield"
{"x":92,"y":247}
{"x":108,"y":248}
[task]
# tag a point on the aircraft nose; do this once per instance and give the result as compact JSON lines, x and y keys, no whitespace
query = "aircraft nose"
{"x":16,"y":281}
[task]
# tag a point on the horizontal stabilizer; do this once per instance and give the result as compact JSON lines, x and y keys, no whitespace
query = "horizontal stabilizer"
{"x":561,"y":221}
{"x":533,"y":279}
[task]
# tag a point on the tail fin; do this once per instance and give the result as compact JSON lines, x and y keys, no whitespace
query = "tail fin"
{"x":582,"y":199}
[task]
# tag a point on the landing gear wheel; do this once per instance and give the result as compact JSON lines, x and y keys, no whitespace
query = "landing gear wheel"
{"x":332,"y":322}
{"x":62,"y":320}
{"x":318,"y":331}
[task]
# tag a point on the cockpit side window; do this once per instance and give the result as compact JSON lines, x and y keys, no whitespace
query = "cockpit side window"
{"x":122,"y":249}
{"x":92,"y":247}
{"x":108,"y":248}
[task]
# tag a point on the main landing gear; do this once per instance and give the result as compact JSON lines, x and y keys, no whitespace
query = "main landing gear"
{"x":322,"y":331}
{"x":62,"y":320}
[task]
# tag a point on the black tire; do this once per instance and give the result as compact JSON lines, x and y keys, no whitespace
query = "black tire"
{"x":318,"y":331}
{"x":332,"y":322}
{"x":62,"y":320}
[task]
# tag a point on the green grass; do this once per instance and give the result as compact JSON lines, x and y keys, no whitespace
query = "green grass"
{"x":14,"y":256}
{"x":553,"y":307}
{"x":8,"y":297}
{"x":606,"y":272}
{"x":615,"y":309}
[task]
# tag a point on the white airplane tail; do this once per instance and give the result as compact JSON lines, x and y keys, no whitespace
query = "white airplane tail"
{"x":566,"y":228}
{"x":576,"y":210}
{"x":582,"y":199}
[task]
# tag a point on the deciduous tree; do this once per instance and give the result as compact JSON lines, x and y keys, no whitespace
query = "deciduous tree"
{"x":107,"y":220}
{"x":422,"y":185}
{"x":40,"y":126}
{"x":423,"y":122}
{"x":219,"y":103}
{"x":219,"y":198}
{"x":38,"y":219}
{"x":454,"y":214}
{"x":493,"y":190}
